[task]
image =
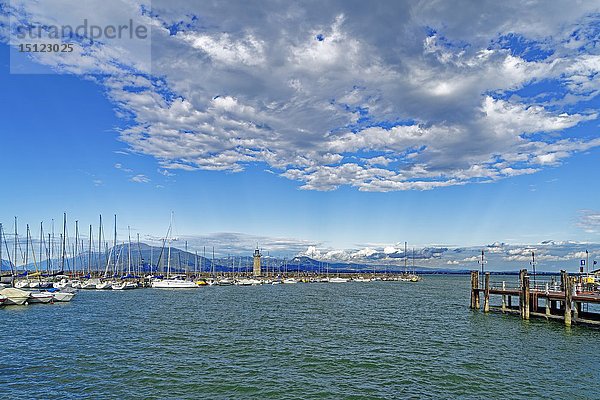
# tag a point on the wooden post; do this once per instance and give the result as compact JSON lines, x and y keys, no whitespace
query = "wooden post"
{"x":526,"y":296}
{"x":568,"y":296}
{"x":475,"y":290}
{"x":486,"y":293}
{"x":521,"y":294}
{"x":472,"y":305}
{"x":547,"y":301}
{"x":503,"y":297}
{"x":509,"y":301}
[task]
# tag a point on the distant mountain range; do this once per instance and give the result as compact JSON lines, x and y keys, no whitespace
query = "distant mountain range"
{"x":144,"y":256}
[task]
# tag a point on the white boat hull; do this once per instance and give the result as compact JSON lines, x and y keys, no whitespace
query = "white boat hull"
{"x":21,"y":284}
{"x":41,"y":297}
{"x":173,"y":284}
{"x":119,"y":286}
{"x":15,"y":296}
{"x":63,"y":296}
{"x":88,"y":286}
{"x":104,"y":286}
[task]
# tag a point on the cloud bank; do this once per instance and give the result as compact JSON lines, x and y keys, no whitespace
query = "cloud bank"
{"x":397,"y":96}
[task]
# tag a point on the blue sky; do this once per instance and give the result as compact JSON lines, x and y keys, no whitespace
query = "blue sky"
{"x":511,"y":156}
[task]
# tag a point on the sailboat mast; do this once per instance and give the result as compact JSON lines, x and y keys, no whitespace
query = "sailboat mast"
{"x":63,"y":243}
{"x":169,"y":251}
{"x":1,"y":235}
{"x":51,"y":240}
{"x":90,"y":252}
{"x":405,"y":257}
{"x":129,"y":251}
{"x":76,"y":253}
{"x":140,"y":258}
{"x":50,"y":267}
{"x":41,"y":242}
{"x":115,"y":247}
{"x":169,"y":260}
{"x":99,"y":245}
{"x":32,"y":251}
{"x":27,"y":247}
{"x":10,"y":264}
{"x":16,"y":236}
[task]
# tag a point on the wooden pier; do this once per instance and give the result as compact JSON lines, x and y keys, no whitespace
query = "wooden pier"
{"x":568,"y":300}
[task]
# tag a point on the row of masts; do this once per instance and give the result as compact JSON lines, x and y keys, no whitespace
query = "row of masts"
{"x":62,"y":254}
{"x":59,"y":253}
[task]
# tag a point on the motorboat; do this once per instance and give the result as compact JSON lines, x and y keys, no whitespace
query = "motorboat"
{"x":15,"y":296}
{"x":40,"y":297}
{"x":64,"y":295}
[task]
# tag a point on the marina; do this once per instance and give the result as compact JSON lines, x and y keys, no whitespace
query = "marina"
{"x":60,"y":268}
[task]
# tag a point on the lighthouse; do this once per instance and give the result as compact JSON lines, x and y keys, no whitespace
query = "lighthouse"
{"x":256,"y":270}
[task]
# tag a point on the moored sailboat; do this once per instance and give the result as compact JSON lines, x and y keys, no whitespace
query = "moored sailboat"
{"x":176,"y":282}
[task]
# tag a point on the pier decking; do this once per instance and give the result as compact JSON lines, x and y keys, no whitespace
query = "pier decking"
{"x":568,"y":300}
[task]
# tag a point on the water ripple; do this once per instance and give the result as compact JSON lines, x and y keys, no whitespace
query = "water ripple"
{"x":378,"y":340}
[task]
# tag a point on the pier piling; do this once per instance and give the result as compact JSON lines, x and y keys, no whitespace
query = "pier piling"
{"x":521,"y":294}
{"x":547,"y":301}
{"x":475,"y":290}
{"x":526,"y":296}
{"x":504,"y":297}
{"x":568,"y":296}
{"x":486,"y":293}
{"x":566,"y":302}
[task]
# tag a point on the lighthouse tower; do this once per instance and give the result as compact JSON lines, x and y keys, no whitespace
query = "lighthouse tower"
{"x":256,"y":270}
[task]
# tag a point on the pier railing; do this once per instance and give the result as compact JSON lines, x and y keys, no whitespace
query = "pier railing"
{"x":567,"y":298}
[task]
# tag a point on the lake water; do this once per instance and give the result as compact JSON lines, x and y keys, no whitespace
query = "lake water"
{"x":304,"y":341}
